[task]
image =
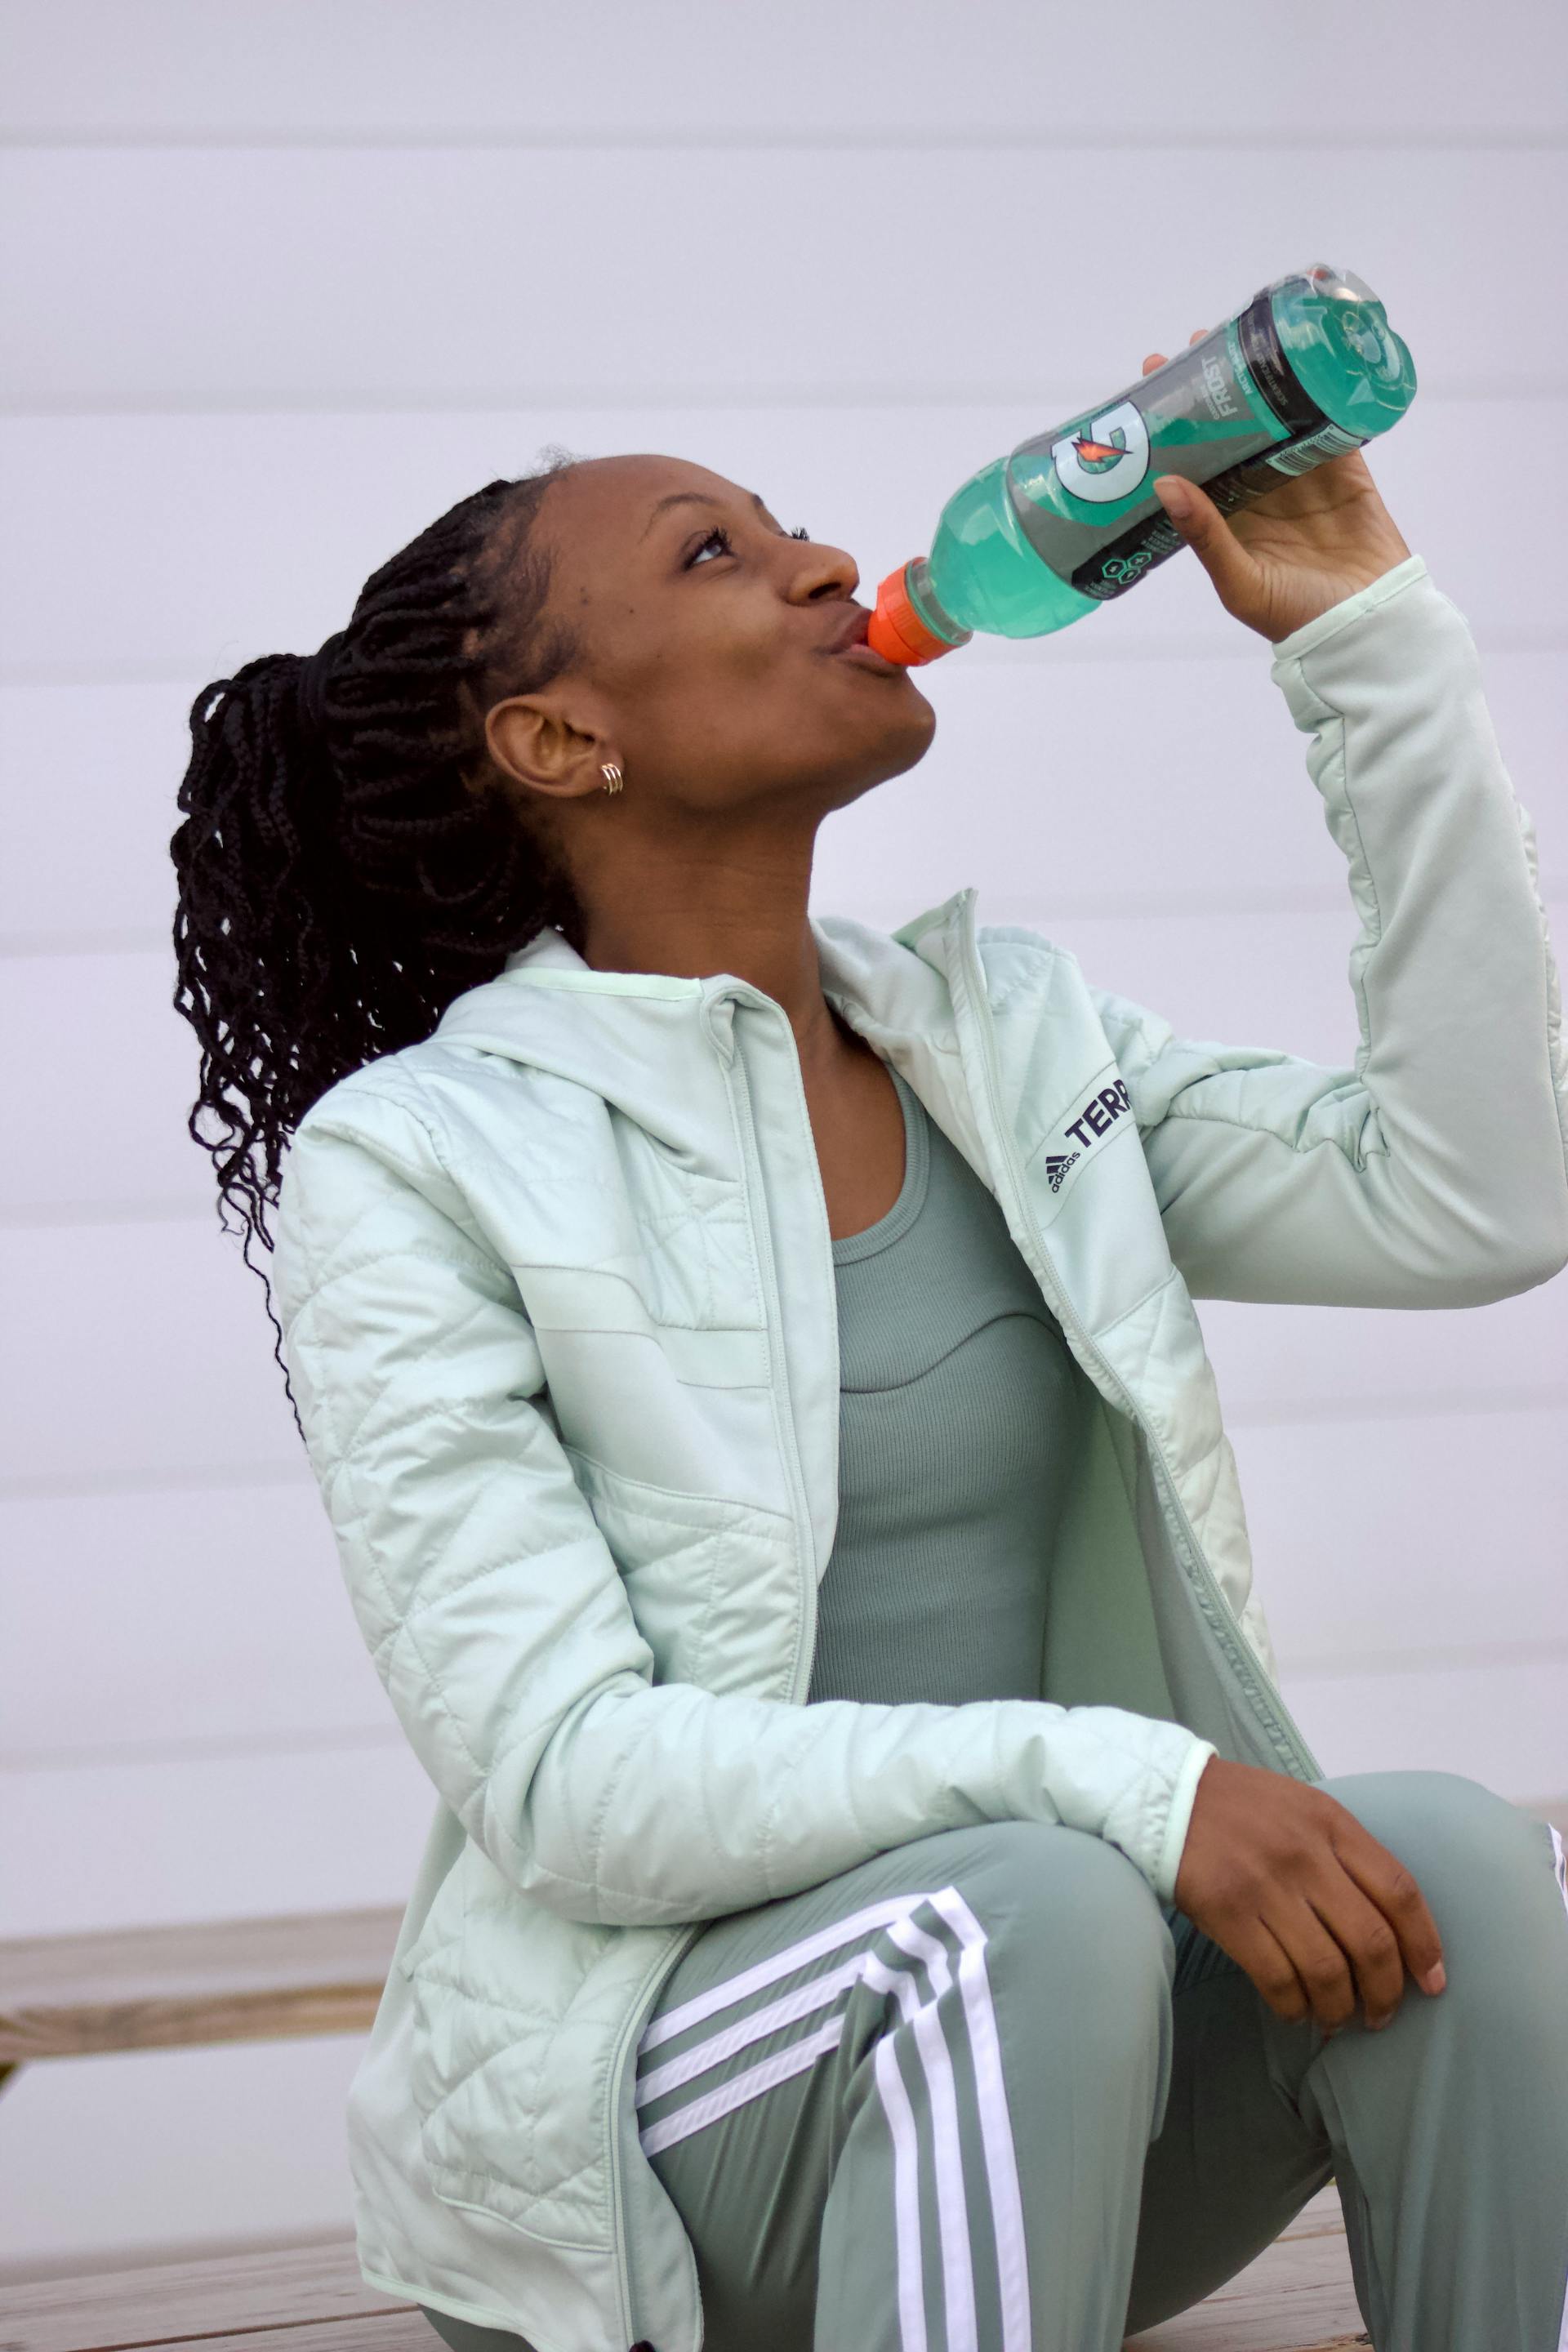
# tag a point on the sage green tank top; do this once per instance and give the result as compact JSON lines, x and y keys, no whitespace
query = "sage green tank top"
{"x":958,"y":1416}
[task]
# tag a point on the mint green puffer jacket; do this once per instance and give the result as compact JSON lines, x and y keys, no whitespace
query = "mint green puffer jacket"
{"x":559,"y":1312}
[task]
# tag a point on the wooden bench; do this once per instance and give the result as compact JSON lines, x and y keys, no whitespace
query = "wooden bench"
{"x":276,"y":1979}
{"x":168,"y":1988}
{"x":1297,"y":2297}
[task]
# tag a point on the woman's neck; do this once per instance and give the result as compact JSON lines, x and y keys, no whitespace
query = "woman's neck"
{"x":746,"y":918}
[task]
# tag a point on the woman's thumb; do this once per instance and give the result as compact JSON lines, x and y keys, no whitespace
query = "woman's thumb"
{"x":1206,"y":533}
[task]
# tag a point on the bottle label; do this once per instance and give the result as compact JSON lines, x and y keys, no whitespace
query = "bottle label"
{"x":1241,"y":483}
{"x":1272,"y":372}
{"x":1228,"y":413}
{"x":1328,"y":441}
{"x":1106,"y":459}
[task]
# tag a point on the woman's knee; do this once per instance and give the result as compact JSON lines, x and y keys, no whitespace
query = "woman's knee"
{"x":1453,"y":1828}
{"x":1066,"y":1910}
{"x":1485,"y":1867}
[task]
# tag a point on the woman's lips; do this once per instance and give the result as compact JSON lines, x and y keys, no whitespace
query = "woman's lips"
{"x":867,"y":658}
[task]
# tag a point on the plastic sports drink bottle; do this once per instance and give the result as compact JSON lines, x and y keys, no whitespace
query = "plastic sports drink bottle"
{"x":1309,"y":369}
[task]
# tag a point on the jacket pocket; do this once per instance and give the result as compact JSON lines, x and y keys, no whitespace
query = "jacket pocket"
{"x":713,"y":1583}
{"x":506,"y":2075}
{"x":475,"y":2081}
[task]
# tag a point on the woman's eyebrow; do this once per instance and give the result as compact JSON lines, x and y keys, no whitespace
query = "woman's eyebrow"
{"x":691,"y":499}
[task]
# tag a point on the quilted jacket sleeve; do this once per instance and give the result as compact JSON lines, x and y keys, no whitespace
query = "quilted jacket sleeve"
{"x":501,"y":1630}
{"x":1435,"y":1171}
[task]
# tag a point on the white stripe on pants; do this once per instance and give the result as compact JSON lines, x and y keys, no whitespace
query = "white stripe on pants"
{"x":929,"y":1954}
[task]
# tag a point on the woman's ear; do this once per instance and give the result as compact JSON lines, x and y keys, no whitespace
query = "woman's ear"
{"x":533,"y":740}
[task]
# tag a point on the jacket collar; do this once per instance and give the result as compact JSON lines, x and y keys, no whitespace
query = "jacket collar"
{"x":548,"y":1007}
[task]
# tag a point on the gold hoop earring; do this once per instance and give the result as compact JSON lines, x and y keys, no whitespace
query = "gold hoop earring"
{"x":612,"y":775}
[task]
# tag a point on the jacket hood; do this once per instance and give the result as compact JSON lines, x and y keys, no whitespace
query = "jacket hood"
{"x":621,"y":1032}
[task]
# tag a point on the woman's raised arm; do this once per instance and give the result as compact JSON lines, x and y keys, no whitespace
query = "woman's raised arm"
{"x":1435,"y":1171}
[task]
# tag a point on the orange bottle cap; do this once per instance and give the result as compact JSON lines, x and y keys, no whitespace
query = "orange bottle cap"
{"x":897,"y":630}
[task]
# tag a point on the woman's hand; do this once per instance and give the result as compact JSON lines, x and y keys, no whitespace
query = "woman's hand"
{"x":1306,"y":1901}
{"x":1280,"y":560}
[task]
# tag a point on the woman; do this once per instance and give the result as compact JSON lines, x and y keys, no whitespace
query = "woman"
{"x":878,"y":1896}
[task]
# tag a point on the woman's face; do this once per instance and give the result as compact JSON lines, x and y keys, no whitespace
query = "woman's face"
{"x":710,"y":659}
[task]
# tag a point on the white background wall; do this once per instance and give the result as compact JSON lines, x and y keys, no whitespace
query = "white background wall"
{"x":283,"y":281}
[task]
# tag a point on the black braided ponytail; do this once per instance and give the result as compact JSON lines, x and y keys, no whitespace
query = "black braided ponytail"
{"x":349,"y":859}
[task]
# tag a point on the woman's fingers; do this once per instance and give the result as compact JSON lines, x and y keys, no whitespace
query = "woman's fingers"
{"x":1321,"y":1953}
{"x":1392,"y":1892}
{"x":1347,"y":1933}
{"x":1258,"y":1951}
{"x":1343,"y":1944}
{"x":1358,"y":1930}
{"x":1318,"y":1960}
{"x":1233,"y":571}
{"x":1158,"y":358}
{"x":1286,"y":1879}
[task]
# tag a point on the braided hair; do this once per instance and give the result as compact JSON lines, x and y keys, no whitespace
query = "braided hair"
{"x":350,"y":859}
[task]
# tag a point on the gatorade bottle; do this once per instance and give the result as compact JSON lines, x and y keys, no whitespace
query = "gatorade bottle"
{"x":1034,"y":541}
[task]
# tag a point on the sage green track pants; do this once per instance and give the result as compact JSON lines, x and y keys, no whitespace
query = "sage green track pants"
{"x":985,"y":2093}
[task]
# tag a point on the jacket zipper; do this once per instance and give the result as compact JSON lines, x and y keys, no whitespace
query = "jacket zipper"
{"x":1212,"y":1601}
{"x":762,"y":1229}
{"x":686,"y":1937}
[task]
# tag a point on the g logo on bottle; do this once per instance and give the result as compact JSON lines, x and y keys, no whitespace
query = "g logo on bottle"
{"x":1106,"y":458}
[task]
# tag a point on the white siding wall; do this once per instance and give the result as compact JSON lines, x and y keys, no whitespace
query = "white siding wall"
{"x":282,"y":281}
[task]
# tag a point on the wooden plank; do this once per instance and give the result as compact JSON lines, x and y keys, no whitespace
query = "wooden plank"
{"x":404,"y":2330}
{"x":390,"y":2331}
{"x":1321,"y":2217}
{"x":220,"y":2296}
{"x":1297,"y":2297}
{"x":163,"y":1988}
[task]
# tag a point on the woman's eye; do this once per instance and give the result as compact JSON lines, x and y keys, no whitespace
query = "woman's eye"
{"x":718,"y":538}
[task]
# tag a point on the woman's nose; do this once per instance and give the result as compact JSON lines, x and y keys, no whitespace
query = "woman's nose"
{"x":823,"y":571}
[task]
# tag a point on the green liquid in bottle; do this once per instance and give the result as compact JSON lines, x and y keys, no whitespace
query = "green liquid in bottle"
{"x":1014,"y":544}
